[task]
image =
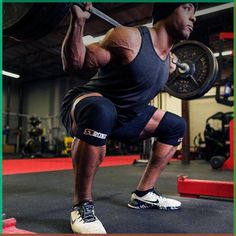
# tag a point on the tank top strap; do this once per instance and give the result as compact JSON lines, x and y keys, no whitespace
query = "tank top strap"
{"x":147,"y":44}
{"x":143,"y":30}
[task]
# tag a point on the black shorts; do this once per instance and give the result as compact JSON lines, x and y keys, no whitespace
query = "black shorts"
{"x":131,"y":130}
{"x":128,"y":131}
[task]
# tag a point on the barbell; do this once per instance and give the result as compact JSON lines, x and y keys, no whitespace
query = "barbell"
{"x":197,"y":67}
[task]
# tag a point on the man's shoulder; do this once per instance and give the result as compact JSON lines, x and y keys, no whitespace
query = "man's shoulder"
{"x":125,"y":31}
{"x":123,"y":42}
{"x":124,"y":35}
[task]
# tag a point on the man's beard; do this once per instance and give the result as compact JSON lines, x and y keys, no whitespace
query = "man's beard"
{"x":178,"y":35}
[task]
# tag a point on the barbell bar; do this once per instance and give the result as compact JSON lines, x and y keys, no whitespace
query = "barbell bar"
{"x":100,"y":14}
{"x":197,"y":67}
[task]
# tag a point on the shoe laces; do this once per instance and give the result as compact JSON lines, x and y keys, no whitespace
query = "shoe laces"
{"x":156,"y":193}
{"x":86,"y":211}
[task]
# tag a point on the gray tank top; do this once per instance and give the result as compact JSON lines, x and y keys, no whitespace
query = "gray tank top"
{"x":130,"y":87}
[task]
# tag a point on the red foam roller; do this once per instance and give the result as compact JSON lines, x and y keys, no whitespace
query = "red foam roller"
{"x":191,"y":187}
{"x":9,"y":227}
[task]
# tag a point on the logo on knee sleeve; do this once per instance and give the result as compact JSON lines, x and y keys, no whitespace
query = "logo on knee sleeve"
{"x":180,"y":140}
{"x":95,"y":134}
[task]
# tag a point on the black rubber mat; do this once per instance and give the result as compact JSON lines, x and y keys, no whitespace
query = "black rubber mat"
{"x":41,"y":202}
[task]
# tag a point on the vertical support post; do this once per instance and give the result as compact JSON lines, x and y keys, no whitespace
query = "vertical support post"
{"x":185,"y":144}
{"x":8,"y":109}
{"x":20,"y":120}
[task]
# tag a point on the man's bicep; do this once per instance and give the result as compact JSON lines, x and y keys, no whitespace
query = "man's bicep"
{"x":96,"y":56}
{"x":115,"y":45}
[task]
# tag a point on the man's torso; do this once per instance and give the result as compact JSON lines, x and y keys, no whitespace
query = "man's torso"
{"x":131,"y":86}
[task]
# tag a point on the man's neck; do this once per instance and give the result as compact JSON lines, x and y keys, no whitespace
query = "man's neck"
{"x":163,"y":41}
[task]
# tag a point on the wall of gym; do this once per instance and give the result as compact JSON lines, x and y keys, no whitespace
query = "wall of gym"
{"x":43,"y":98}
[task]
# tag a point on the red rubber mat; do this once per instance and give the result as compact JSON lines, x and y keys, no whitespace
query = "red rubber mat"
{"x":11,"y":167}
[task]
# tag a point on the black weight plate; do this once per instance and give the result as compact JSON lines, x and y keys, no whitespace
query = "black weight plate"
{"x":40,"y":20}
{"x":204,"y":71}
{"x":57,"y":12}
{"x":24,"y":30}
{"x":217,"y":162}
{"x":215,"y":76}
{"x":12,"y":13}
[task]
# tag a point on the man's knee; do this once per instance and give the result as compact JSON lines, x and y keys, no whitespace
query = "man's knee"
{"x":171,"y":129}
{"x":95,"y":118}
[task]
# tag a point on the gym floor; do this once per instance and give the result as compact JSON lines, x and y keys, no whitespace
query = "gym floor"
{"x":41,"y":201}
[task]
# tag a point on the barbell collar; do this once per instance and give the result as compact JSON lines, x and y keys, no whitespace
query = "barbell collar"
{"x":182,"y":67}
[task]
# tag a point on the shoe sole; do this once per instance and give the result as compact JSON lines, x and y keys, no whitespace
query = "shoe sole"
{"x":142,"y":207}
{"x":76,"y":232}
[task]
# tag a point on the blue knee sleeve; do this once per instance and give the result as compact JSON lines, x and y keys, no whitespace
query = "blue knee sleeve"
{"x":171,"y":129}
{"x":95,"y":117}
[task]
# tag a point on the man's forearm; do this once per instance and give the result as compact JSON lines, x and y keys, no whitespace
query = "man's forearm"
{"x":73,"y":48}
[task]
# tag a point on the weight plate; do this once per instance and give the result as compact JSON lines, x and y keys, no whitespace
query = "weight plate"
{"x":202,"y":75}
{"x":13,"y":12}
{"x":39,"y":21}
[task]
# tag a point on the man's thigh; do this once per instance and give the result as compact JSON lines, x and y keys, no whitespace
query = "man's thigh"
{"x":132,"y":130}
{"x":152,"y":124}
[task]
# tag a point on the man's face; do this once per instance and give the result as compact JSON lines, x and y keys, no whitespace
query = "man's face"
{"x":181,"y":21}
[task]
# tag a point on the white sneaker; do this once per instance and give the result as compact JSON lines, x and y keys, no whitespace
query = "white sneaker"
{"x":84,"y":221}
{"x":154,"y":200}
